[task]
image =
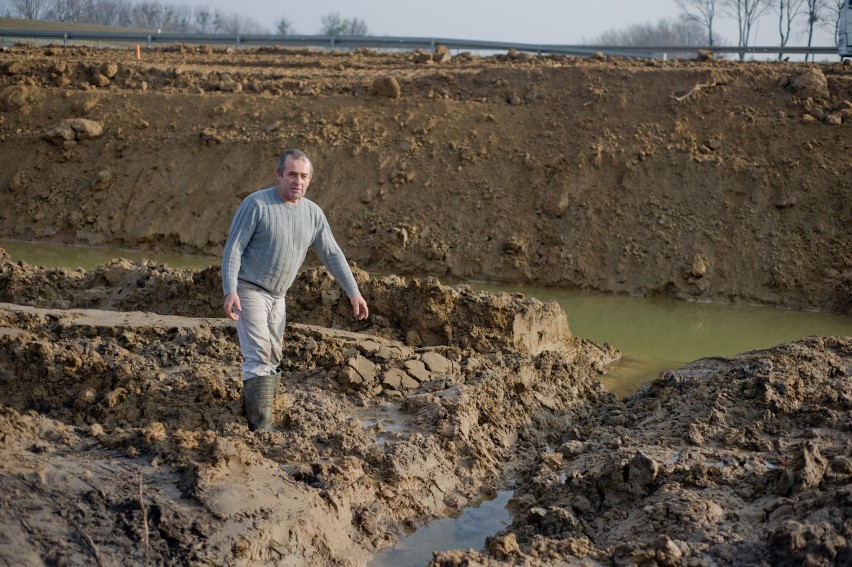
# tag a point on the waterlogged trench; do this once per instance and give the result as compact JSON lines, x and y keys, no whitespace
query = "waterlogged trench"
{"x":653,"y":335}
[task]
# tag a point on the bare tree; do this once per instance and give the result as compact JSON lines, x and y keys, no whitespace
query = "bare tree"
{"x":683,"y":31}
{"x":746,"y":12}
{"x":702,"y":12}
{"x":284,"y":26}
{"x":160,"y":16}
{"x":234,"y":24}
{"x":824,"y":14}
{"x":831,"y":21}
{"x":176,"y":18}
{"x":814,"y":8}
{"x":203,"y":19}
{"x":148,"y":15}
{"x":30,"y":9}
{"x":68,"y":10}
{"x":788,"y":11}
{"x":114,"y":12}
{"x":334,"y":24}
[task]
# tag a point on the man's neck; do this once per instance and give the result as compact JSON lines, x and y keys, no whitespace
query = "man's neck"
{"x":287,"y":201}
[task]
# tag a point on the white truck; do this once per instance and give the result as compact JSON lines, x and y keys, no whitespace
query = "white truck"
{"x":844,"y":30}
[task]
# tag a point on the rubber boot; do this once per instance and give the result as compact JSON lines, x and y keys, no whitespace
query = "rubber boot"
{"x":259,"y":394}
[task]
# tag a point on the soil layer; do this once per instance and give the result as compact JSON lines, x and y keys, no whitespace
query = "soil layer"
{"x":710,"y":180}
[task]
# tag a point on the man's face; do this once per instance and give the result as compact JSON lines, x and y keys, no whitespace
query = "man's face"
{"x":293,"y":183}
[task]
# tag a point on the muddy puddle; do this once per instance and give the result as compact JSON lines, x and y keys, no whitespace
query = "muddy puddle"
{"x":384,"y":421}
{"x":656,"y":335}
{"x":466,"y":530}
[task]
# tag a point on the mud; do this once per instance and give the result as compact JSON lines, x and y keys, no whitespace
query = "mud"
{"x":122,"y":439}
{"x":103,"y":408}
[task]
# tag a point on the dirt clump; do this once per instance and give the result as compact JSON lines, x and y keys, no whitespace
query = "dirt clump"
{"x":735,"y":460}
{"x":130,"y":423}
{"x":419,"y":312}
{"x":808,"y":83}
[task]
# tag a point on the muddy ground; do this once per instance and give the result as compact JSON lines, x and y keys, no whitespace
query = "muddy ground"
{"x":123,"y":441}
{"x":121,"y":434}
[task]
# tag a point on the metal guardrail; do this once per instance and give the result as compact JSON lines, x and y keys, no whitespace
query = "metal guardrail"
{"x":386,"y":42}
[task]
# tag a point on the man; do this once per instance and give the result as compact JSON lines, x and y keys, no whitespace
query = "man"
{"x":269,"y":238}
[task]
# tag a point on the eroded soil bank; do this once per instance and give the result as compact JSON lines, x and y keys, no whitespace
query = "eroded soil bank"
{"x":121,"y":434}
{"x":122,"y":439}
{"x":710,"y":180}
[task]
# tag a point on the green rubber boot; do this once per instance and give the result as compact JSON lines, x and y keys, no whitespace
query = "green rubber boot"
{"x":259,"y":394}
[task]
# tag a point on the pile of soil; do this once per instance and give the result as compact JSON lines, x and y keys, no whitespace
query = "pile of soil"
{"x":727,"y":461}
{"x":711,"y":180}
{"x":122,"y":438}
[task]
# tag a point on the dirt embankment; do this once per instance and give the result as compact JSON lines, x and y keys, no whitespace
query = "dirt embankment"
{"x":121,"y":434}
{"x":708,"y":180}
{"x":122,"y":438}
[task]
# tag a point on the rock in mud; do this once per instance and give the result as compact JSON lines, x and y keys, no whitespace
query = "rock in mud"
{"x":74,"y":129}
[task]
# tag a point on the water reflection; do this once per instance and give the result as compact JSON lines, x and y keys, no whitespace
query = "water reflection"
{"x":382,"y":420}
{"x":629,"y":374}
{"x":467,"y":531}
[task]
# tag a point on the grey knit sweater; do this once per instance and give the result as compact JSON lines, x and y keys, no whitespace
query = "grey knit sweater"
{"x":269,"y":239}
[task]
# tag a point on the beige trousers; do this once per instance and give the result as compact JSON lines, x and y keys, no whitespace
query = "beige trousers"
{"x":260,"y":329}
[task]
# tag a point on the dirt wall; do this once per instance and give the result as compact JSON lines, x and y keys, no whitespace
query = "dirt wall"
{"x":709,"y":180}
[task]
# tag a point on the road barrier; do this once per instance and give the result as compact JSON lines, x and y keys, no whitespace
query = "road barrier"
{"x":404,"y":43}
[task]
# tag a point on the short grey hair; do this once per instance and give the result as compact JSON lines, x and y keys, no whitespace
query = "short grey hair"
{"x":295,"y":154}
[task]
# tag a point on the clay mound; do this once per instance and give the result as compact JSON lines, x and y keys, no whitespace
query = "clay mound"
{"x":742,"y":459}
{"x":129,"y":425}
{"x":809,"y":82}
{"x":118,"y":285}
{"x":603,"y":173}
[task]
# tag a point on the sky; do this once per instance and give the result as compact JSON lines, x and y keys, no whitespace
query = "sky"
{"x":566,"y":22}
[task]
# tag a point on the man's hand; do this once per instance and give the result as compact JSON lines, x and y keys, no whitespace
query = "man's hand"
{"x":359,"y":307}
{"x":232,"y":306}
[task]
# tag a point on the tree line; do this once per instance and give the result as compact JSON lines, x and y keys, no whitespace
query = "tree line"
{"x":698,"y":20}
{"x":695,"y":25}
{"x":166,"y":16}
